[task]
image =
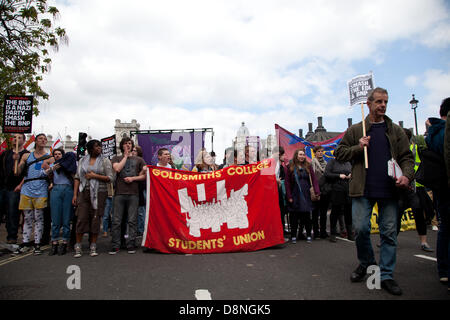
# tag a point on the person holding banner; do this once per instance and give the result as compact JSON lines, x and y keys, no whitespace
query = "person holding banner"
{"x":299,"y":179}
{"x":34,"y":193}
{"x":385,"y":140}
{"x":89,"y":195}
{"x":137,"y":152}
{"x":12,"y":185}
{"x":164,"y":158}
{"x":204,"y":162}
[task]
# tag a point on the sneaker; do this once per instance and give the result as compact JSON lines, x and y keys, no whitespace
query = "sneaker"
{"x":434,"y":228}
{"x":294,"y":240}
{"x":93,"y":250}
{"x":24,"y":247}
{"x":131,"y":250}
{"x":78,"y":252}
{"x":113,"y":251}
{"x":443,"y":280}
{"x":426,"y":247}
{"x":359,"y":274}
{"x":37,"y":249}
{"x":105,"y":234}
{"x":308,"y":240}
{"x":333,"y":238}
{"x":391,"y":286}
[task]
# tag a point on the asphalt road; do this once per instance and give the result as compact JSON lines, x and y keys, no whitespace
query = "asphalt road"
{"x":316,"y":271}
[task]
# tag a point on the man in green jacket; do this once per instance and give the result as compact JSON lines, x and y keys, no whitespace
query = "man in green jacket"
{"x":384,"y":140}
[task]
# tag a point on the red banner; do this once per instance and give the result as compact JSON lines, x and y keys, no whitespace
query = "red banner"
{"x":229,"y":210}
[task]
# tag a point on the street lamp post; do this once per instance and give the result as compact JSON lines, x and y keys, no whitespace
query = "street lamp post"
{"x":413,"y":104}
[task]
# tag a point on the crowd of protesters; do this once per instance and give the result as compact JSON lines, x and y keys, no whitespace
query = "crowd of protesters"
{"x":82,"y":196}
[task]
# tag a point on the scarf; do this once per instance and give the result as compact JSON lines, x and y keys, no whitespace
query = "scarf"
{"x":93,"y":183}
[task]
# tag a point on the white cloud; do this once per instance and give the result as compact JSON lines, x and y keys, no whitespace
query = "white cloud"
{"x":411,"y":81}
{"x":438,"y":83}
{"x":185,"y":64}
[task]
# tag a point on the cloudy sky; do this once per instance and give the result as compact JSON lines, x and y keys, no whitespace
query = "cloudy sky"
{"x":215,"y":64}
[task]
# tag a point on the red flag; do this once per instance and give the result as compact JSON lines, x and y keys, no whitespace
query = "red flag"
{"x":4,"y":145}
{"x":29,"y":145}
{"x":233,"y":209}
{"x":290,"y":142}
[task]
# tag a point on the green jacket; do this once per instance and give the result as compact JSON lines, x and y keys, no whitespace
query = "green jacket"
{"x":349,"y":150}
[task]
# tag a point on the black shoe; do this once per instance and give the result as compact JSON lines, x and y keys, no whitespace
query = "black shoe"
{"x":53,"y":250}
{"x":113,"y":251}
{"x":37,"y":249}
{"x":62,"y":249}
{"x":359,"y":274}
{"x":301,"y":237}
{"x":323,"y":235}
{"x":391,"y":286}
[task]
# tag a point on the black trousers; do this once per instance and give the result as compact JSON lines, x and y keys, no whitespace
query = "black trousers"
{"x":338,"y":210}
{"x":302,"y":219}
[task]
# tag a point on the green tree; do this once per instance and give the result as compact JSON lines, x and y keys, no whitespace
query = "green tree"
{"x":27,"y":34}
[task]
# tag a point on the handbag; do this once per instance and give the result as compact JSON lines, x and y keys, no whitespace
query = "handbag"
{"x":314,"y":196}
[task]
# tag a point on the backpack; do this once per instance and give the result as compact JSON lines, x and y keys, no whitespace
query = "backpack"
{"x":431,"y":172}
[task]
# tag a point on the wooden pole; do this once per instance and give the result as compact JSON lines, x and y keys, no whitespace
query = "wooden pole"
{"x":366,"y":158}
{"x":16,"y":162}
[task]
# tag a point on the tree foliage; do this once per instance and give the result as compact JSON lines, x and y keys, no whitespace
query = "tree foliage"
{"x":27,"y":33}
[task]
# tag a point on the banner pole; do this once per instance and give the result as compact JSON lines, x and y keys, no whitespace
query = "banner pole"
{"x":16,"y":162}
{"x":366,"y":159}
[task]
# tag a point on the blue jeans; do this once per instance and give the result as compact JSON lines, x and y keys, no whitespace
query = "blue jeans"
{"x":387,"y":222}
{"x":61,"y":210}
{"x":107,"y":215}
{"x":443,"y":236}
{"x":141,"y":217}
{"x":11,"y":203}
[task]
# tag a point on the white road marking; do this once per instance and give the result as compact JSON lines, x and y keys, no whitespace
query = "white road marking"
{"x":202,"y":294}
{"x":425,"y":257}
{"x":345,"y":239}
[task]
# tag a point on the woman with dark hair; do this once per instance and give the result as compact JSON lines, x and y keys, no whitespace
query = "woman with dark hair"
{"x":338,"y":174}
{"x":89,"y":194}
{"x":299,"y":179}
{"x":61,"y":177}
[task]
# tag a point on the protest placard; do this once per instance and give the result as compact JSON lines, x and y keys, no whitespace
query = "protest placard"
{"x":109,"y":146}
{"x":17,"y":114}
{"x":359,"y":88}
